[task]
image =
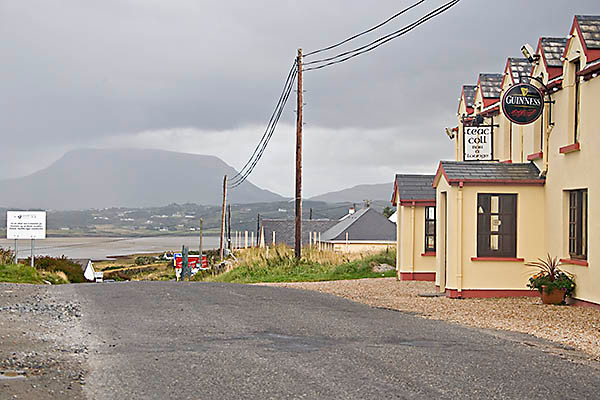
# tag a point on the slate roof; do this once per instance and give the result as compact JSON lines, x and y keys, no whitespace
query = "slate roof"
{"x":285,"y":230}
{"x":490,"y":85}
{"x":590,"y":29}
{"x":490,"y":172}
{"x":363,"y":226}
{"x":469,"y":92}
{"x":415,"y":187}
{"x":553,"y":49}
{"x":520,"y":69}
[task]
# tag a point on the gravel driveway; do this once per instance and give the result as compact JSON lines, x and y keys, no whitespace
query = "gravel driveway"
{"x":575,"y":327}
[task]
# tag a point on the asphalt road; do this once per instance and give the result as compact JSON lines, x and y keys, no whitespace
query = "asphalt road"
{"x":167,"y":340}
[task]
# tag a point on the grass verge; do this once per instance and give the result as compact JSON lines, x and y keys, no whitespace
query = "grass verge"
{"x":20,"y":274}
{"x":281,"y":266}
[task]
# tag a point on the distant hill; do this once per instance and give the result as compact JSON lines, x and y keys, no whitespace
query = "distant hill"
{"x":356,"y":194}
{"x":84,"y":179}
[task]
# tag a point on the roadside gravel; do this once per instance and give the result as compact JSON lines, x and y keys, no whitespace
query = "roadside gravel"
{"x":42,"y":354}
{"x":571,"y":327}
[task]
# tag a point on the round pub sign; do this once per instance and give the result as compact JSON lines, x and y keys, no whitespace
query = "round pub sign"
{"x":523,"y":104}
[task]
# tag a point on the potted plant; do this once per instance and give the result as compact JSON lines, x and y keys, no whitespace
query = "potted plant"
{"x":553,"y":283}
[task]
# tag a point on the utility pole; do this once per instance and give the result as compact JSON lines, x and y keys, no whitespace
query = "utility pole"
{"x":299,"y":100}
{"x":223,"y":217}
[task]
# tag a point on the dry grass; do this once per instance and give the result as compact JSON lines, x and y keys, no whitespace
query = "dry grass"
{"x":575,"y":327}
{"x":311,"y":254}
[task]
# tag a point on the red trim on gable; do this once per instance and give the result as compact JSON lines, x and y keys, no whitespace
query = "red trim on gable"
{"x":435,"y":178}
{"x":535,"y":156}
{"x":395,"y":191}
{"x":574,"y":261}
{"x":417,"y":276}
{"x":589,"y":71}
{"x":490,"y":293}
{"x":498,"y":181}
{"x":488,"y":101}
{"x":514,"y":259}
{"x":418,"y":202}
{"x":570,"y":148}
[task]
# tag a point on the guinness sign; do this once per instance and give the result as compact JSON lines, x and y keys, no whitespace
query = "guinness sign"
{"x":523,"y":104}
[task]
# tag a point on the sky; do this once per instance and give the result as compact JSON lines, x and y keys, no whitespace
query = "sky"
{"x":204,"y":77}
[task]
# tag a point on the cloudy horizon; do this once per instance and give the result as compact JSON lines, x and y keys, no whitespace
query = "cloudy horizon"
{"x":203,"y":78}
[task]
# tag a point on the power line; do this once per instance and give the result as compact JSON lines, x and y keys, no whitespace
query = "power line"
{"x":271,"y":130}
{"x":289,"y":79}
{"x":376,"y":43}
{"x":367,"y":31}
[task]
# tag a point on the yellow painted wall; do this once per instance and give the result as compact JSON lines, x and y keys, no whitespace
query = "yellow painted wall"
{"x":461,"y":272}
{"x":411,"y":241}
{"x":577,"y":170}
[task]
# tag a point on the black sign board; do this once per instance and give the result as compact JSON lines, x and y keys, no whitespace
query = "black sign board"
{"x":523,"y":103}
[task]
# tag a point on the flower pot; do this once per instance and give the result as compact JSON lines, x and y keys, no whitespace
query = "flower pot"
{"x":556,"y":296}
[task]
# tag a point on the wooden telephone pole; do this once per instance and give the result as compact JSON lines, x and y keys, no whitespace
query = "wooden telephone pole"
{"x":222,"y":255}
{"x":298,"y":246}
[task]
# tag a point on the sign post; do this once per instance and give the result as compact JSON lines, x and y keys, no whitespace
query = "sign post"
{"x":26,"y":225}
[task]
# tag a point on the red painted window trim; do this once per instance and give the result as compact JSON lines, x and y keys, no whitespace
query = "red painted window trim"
{"x":574,"y":261}
{"x":428,"y":254}
{"x":535,"y":156}
{"x":570,"y":148}
{"x":514,"y":259}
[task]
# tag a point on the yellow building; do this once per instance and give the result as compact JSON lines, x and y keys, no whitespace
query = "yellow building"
{"x":524,"y":191}
{"x":414,"y":197}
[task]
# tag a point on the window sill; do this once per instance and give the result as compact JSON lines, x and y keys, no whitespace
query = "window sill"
{"x":574,"y":261}
{"x":428,"y":254}
{"x":513,"y":259}
{"x":570,"y":148}
{"x":535,"y":156}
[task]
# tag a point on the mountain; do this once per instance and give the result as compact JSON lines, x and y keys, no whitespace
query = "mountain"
{"x":84,"y":179}
{"x":359,"y":193}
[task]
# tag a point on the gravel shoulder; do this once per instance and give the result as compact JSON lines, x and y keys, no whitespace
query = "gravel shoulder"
{"x":571,"y":327}
{"x":42,"y":355}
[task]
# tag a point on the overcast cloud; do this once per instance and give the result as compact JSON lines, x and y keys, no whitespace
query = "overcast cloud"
{"x":203,"y":77}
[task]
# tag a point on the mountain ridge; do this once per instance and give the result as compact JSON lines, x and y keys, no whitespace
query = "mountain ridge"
{"x":100,"y":178}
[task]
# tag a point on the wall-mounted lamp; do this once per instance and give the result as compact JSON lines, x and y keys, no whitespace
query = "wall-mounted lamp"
{"x":529,"y":53}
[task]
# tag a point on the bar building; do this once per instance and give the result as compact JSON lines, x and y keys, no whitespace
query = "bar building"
{"x":534,"y":191}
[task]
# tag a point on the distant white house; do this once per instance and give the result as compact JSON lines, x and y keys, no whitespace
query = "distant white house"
{"x":393,"y":217}
{"x":87,"y":267}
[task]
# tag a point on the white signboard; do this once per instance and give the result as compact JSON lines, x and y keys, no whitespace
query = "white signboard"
{"x":99,"y":276}
{"x":477,"y":143}
{"x":26,"y":225}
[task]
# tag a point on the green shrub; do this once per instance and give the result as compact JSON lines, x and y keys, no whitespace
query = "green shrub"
{"x":70,"y":268}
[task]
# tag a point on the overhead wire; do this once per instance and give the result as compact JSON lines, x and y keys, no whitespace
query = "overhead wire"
{"x":345,"y":56}
{"x":271,"y":129}
{"x":365,"y":32}
{"x":289,"y":80}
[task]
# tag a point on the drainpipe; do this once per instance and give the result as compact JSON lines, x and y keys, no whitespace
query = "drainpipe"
{"x":459,"y":228}
{"x":549,"y":128}
{"x":412,"y":238}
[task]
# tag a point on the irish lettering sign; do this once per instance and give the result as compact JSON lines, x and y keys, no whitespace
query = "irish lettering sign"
{"x":26,"y":225}
{"x":477,"y":143}
{"x":523,"y":104}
